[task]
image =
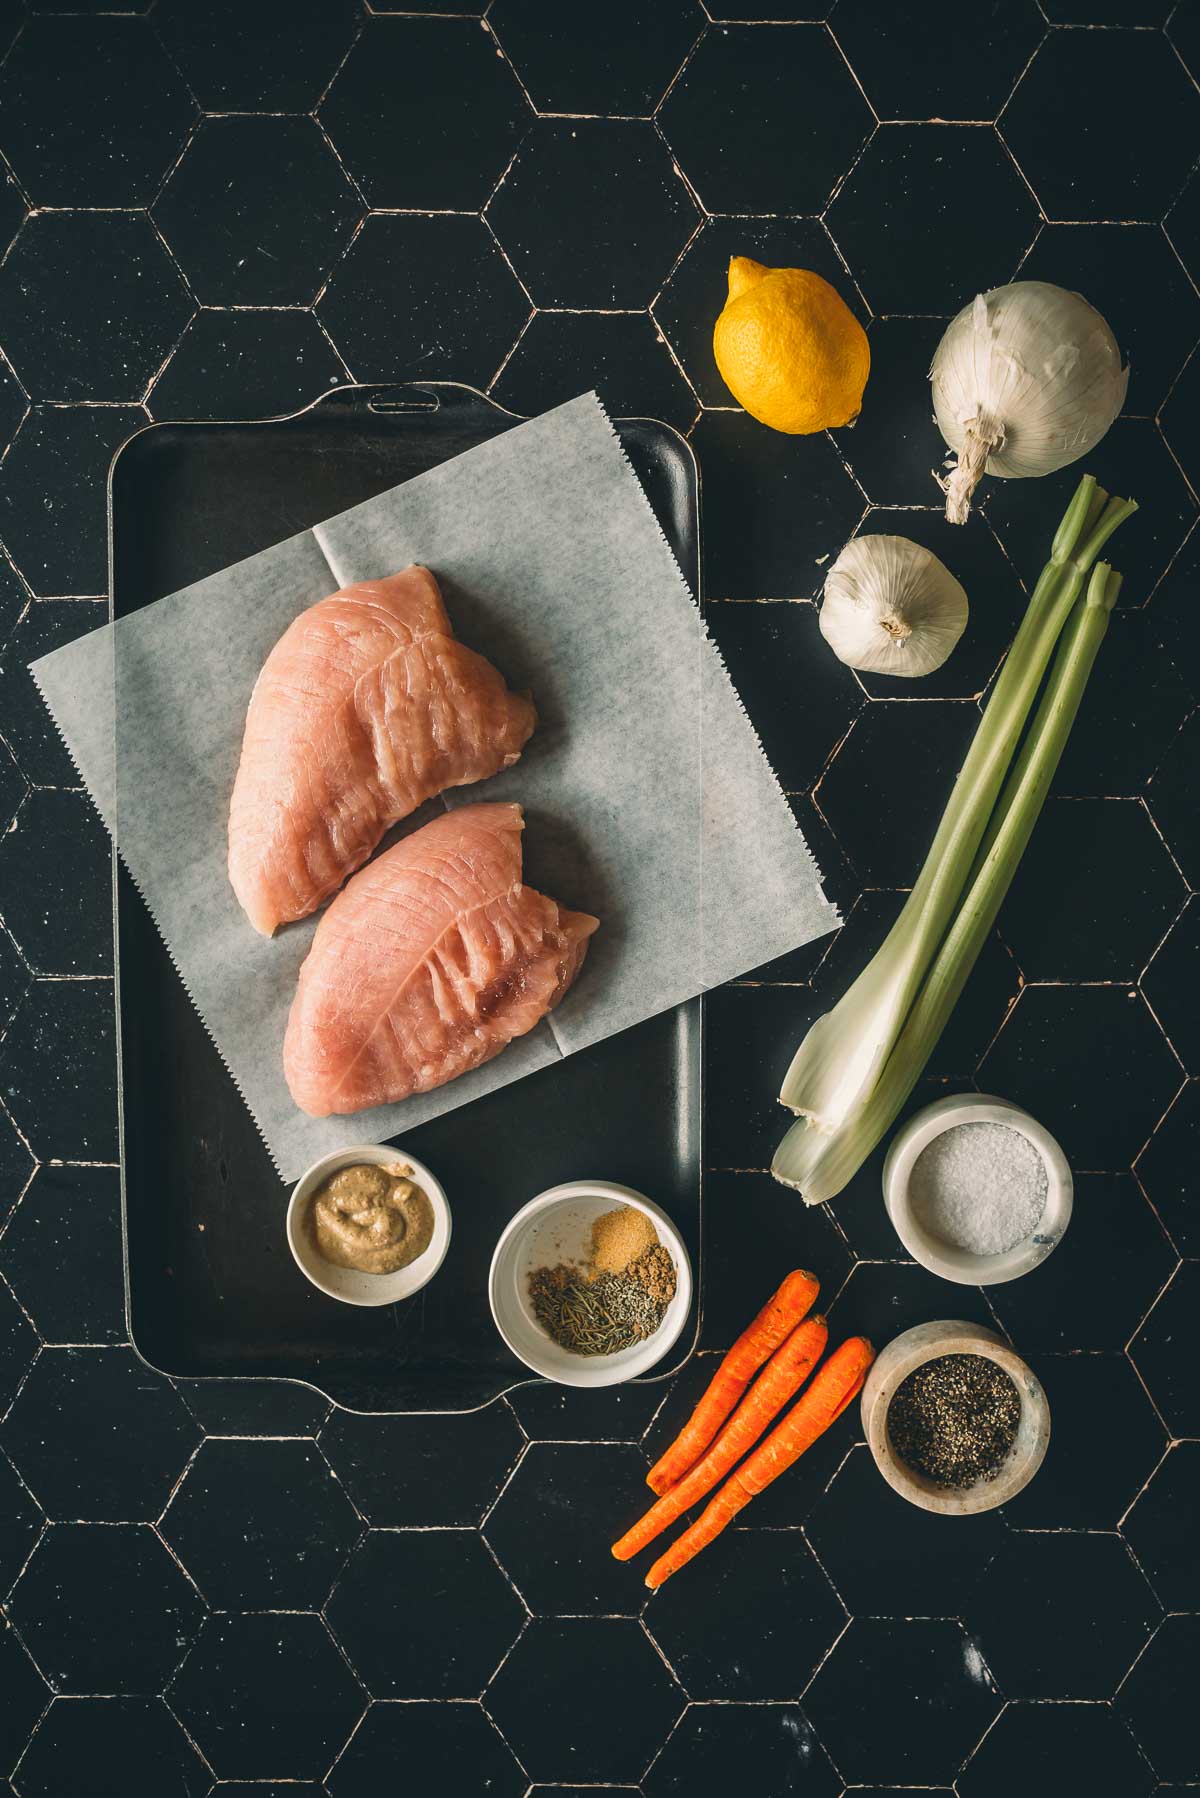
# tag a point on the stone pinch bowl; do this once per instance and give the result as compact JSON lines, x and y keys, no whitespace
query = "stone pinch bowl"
{"x":929,"y":1342}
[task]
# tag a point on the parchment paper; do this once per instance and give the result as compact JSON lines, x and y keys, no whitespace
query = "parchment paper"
{"x":647,"y":798}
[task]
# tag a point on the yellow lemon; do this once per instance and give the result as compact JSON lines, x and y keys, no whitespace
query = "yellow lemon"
{"x":789,"y":348}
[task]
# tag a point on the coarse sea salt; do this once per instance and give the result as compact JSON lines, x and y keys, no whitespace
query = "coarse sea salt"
{"x":980,"y":1187}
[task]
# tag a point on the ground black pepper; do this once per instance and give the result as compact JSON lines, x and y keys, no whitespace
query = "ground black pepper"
{"x":955,"y":1419}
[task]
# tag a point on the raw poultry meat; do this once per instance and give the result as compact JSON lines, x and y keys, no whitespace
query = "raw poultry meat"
{"x":428,"y":963}
{"x":365,"y":708}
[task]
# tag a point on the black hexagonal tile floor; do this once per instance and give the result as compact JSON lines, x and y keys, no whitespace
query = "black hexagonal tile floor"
{"x":16,"y":1165}
{"x":753,"y":1226}
{"x":447,"y":1747}
{"x":54,"y":870}
{"x":28,"y":727}
{"x":882,"y":1299}
{"x":52,"y":516}
{"x":1174,"y":624}
{"x":1055,"y":124}
{"x":913,"y":255}
{"x":439,"y":1468}
{"x":1158,"y":1698}
{"x":911,"y":1668}
{"x":92,"y":304}
{"x":1165,"y":1168}
{"x":1085,"y":1486}
{"x":1166,"y":985}
{"x":236,"y":1696}
{"x":14,"y":979}
{"x":751,"y":1038}
{"x":550,"y":1413}
{"x":256,"y":55}
{"x":621,"y":354}
{"x":90,"y":1747}
{"x":105,"y":1609}
{"x":423,"y":296}
{"x":1161,"y":1528}
{"x":58,"y":1070}
{"x":1042,"y":1749}
{"x":772,"y":651}
{"x":18,"y":1345}
{"x":777,"y":509}
{"x":14,"y":596}
{"x":226,"y":216}
{"x":261,"y":1525}
{"x":889,"y":1559}
{"x":246,"y":364}
{"x":94,"y":112}
{"x":895,"y":448}
{"x":69,"y":1219}
{"x":592,"y":213}
{"x":69,"y":1436}
{"x":1091,"y":1063}
{"x":1182,"y":225}
{"x":558,"y":1693}
{"x":716,"y":1746}
{"x":534,"y":1528}
{"x":1135,"y":702}
{"x":25,"y":1696}
{"x":404,"y":1589}
{"x":911,"y":68}
{"x":12,"y":787}
{"x":1172,"y":798}
{"x":20,"y":1521}
{"x":13,"y":210}
{"x":463,"y":114}
{"x":751,"y":1619}
{"x":1172,"y":1375}
{"x":242,"y":1407}
{"x":615,"y":59}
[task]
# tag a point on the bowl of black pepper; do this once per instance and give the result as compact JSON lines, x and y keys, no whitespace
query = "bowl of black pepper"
{"x":954,"y":1418}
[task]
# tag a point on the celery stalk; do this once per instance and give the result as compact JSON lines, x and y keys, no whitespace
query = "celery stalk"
{"x":820,"y":1166}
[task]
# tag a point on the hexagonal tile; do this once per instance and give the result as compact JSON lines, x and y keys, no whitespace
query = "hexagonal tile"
{"x":1171,"y":796}
{"x":621,"y":354}
{"x":777,"y":509}
{"x":1054,"y":124}
{"x":549,"y":1413}
{"x":1174,"y":623}
{"x":752,"y":1227}
{"x":576,"y":60}
{"x":256,"y":55}
{"x":105,"y":1609}
{"x":445,"y":149}
{"x":771,"y":650}
{"x":914,"y":256}
{"x":25,"y":1697}
{"x":558,"y":1692}
{"x":915,"y":1667}
{"x":20,"y":1521}
{"x":911,"y":70}
{"x":18,"y":1346}
{"x":1135,"y":702}
{"x":882,"y":1299}
{"x":534,"y":1528}
{"x":1091,"y":1063}
{"x":12,"y":787}
{"x":52,"y":493}
{"x":69,"y":1219}
{"x":887,"y":844}
{"x":225,"y":211}
{"x":14,"y":403}
{"x":1165,"y":1169}
{"x":451,"y":1747}
{"x":1038,"y":1748}
{"x":428,"y":296}
{"x":886,"y":1557}
{"x":716,"y":1745}
{"x":1086,"y":1486}
{"x":1082,"y":1296}
{"x":261,"y":1525}
{"x":1158,"y":1696}
{"x":58,"y":1070}
{"x":16,"y":1165}
{"x":69,"y":1435}
{"x":434,"y":1468}
{"x":1061,"y":1615}
{"x":1173,"y":1377}
{"x":92,"y":304}
{"x":14,"y":980}
{"x":94,"y":112}
{"x":592,"y":213}
{"x":246,"y":364}
{"x":13,"y":209}
{"x":1110,"y":265}
{"x":28,"y":727}
{"x":751,"y":1037}
{"x":404,"y":1589}
{"x":242,"y":1407}
{"x":895,"y":448}
{"x":236,"y":1696}
{"x":1182,"y":225}
{"x":1165,"y":984}
{"x":55,"y":864}
{"x":87,"y":1744}
{"x":1160,"y":1528}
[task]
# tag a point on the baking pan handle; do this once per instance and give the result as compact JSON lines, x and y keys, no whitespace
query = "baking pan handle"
{"x":381,"y":396}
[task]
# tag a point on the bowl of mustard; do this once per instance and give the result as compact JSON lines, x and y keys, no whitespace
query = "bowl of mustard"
{"x":368,"y":1225}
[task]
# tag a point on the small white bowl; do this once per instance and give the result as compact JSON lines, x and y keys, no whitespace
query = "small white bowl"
{"x":347,"y":1283}
{"x":557,"y":1226}
{"x":943,"y":1258}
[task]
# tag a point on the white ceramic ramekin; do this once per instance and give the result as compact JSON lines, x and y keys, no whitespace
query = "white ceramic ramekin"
{"x":554,"y":1227}
{"x":346,"y":1283}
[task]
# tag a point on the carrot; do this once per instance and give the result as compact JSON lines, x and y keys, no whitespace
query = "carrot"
{"x":783,"y":1375}
{"x":832,"y":1389}
{"x":793,"y":1301}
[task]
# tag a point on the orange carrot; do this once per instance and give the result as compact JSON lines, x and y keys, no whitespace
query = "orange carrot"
{"x":832,"y":1389}
{"x":783,"y":1376}
{"x":794,"y":1300}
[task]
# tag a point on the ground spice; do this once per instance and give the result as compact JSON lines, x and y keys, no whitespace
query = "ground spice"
{"x":601,"y":1309}
{"x":954,"y":1420}
{"x":619,"y":1237}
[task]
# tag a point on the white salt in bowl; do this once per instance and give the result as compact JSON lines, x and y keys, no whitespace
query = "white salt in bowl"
{"x":962,"y":1265}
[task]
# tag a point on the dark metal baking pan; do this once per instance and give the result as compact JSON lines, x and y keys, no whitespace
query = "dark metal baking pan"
{"x":211,"y":1288}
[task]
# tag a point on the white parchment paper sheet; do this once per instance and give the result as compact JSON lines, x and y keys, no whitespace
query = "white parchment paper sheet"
{"x":647,"y":798}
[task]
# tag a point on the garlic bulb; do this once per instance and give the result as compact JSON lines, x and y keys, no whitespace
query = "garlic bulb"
{"x":892,"y":607}
{"x":1026,"y":379}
